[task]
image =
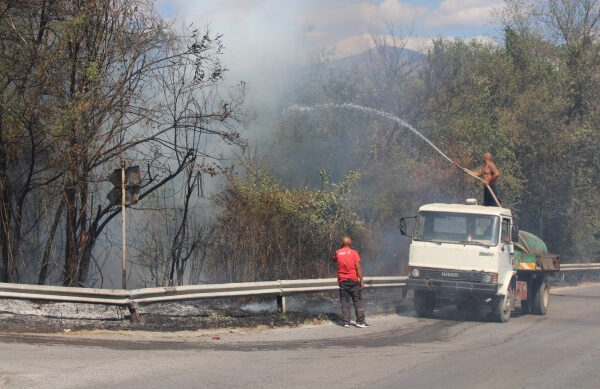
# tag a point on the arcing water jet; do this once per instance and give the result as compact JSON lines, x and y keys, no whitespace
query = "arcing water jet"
{"x":371,"y":111}
{"x":389,"y":116}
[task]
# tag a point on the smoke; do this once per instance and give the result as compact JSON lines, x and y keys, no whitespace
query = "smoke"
{"x":263,"y":46}
{"x":263,"y":306}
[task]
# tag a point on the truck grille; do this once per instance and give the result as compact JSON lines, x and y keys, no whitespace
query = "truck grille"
{"x":451,"y":275}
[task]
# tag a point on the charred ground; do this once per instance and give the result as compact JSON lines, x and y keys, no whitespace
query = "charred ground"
{"x":39,"y":317}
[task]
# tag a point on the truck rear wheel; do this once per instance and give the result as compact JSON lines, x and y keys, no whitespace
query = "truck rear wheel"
{"x":424,"y":303}
{"x":541,"y":297}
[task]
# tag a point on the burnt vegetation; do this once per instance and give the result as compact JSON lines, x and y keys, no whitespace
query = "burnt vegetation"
{"x":84,"y":84}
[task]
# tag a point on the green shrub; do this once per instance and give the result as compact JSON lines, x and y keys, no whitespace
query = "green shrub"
{"x":268,"y":232}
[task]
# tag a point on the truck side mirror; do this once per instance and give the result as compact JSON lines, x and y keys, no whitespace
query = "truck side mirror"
{"x":403,"y":226}
{"x":514,"y":234}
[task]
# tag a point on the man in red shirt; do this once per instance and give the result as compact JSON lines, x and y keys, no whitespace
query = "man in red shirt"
{"x":350,"y":279}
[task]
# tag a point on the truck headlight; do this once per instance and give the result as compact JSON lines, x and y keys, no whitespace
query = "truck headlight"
{"x":490,"y":277}
{"x":415,"y":273}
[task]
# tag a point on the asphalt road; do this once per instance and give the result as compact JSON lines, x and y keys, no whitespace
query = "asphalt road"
{"x":559,"y":350}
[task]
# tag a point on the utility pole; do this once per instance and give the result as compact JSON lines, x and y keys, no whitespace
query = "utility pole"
{"x":123,"y":224}
{"x":126,"y":191}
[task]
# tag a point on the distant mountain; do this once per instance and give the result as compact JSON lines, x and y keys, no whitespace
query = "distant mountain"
{"x":388,"y":53}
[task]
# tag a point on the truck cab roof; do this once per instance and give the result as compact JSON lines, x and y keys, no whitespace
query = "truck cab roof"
{"x":465,"y":208}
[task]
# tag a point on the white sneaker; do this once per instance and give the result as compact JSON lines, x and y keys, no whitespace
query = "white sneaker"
{"x":362,"y":325}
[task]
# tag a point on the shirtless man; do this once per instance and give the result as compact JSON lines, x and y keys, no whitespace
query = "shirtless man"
{"x":489,"y":173}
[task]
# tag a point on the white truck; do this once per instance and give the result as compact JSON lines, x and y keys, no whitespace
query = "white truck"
{"x":474,"y":256}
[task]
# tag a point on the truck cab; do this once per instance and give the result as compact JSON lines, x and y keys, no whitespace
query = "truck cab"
{"x":464,"y":254}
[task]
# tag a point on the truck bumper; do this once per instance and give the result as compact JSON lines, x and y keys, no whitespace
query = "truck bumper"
{"x":451,"y":286}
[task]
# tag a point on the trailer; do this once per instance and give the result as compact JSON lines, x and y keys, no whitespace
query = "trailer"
{"x":532,"y":264}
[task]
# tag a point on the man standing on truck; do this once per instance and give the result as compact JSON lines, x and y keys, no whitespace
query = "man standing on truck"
{"x":350,"y":279}
{"x":489,"y":173}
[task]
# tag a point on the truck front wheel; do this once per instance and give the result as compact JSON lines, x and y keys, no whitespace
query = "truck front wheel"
{"x":541,"y":297}
{"x":424,"y":303}
{"x":503,"y":305}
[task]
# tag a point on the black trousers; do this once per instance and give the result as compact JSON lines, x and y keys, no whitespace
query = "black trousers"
{"x":350,"y":289}
{"x":488,"y":199}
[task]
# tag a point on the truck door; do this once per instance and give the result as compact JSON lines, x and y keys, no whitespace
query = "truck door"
{"x":505,"y":244}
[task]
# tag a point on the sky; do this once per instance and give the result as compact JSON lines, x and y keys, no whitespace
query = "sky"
{"x":342,"y":25}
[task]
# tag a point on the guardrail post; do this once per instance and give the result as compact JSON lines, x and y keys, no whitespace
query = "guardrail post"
{"x":134,"y":315}
{"x":281,"y":305}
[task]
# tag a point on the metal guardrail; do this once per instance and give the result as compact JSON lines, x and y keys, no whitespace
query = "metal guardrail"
{"x":194,"y":292}
{"x":136,"y":297}
{"x":117,"y":297}
{"x":579,"y":266}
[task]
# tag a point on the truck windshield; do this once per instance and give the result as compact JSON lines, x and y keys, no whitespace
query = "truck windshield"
{"x":464,"y":228}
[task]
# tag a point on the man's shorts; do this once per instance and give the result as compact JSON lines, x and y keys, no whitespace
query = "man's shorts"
{"x":488,"y":199}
